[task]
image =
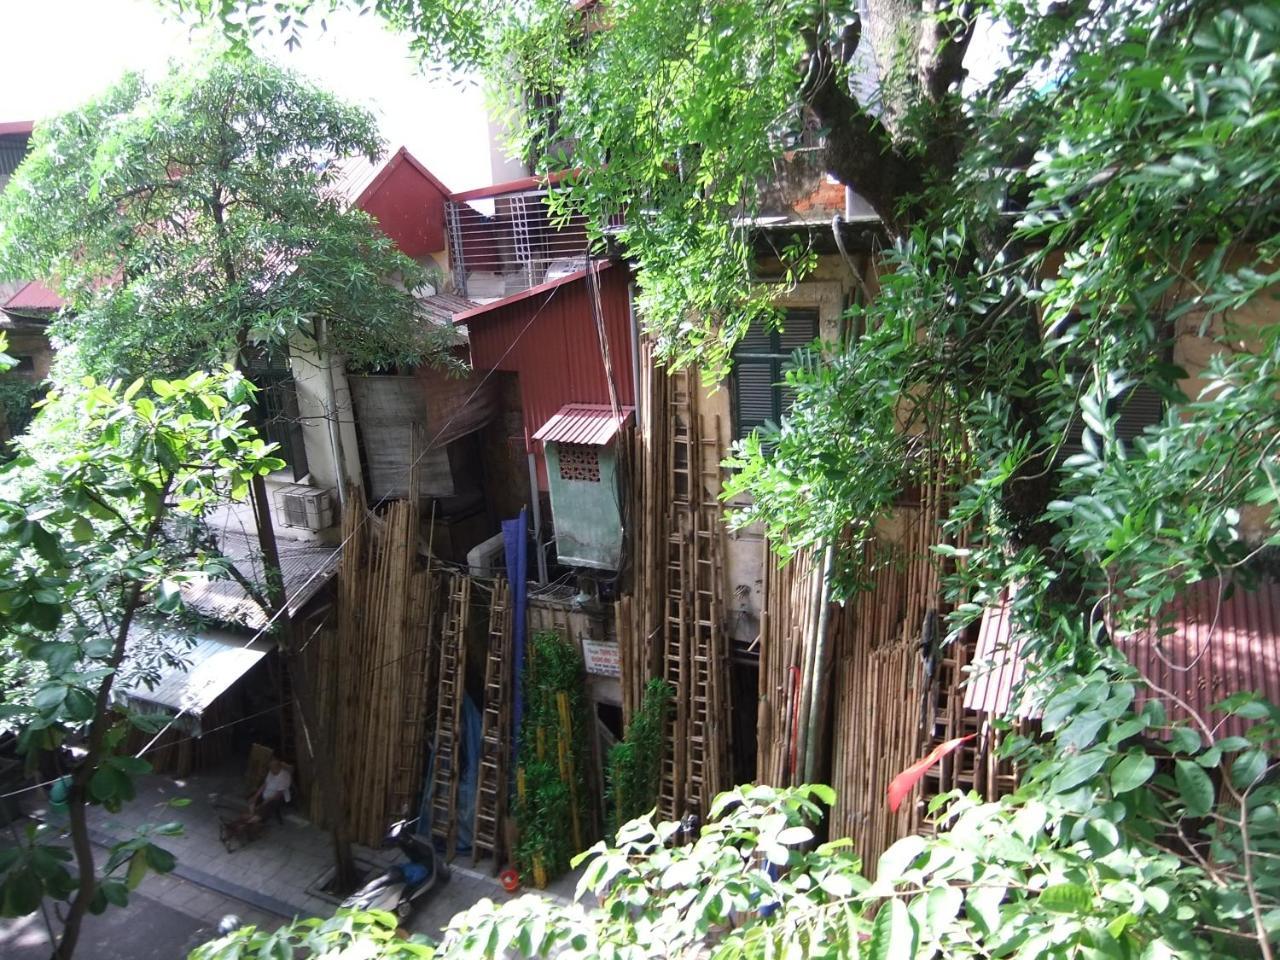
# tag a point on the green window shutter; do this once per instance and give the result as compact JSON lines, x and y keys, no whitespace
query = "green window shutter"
{"x":759,"y":360}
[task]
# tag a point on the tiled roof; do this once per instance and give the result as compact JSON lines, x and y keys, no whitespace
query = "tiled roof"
{"x":305,"y":566}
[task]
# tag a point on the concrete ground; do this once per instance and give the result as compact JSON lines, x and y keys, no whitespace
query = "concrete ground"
{"x":266,"y":883}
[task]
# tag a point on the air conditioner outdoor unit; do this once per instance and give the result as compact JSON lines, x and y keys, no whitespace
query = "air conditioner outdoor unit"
{"x":310,"y":508}
{"x":488,"y":559}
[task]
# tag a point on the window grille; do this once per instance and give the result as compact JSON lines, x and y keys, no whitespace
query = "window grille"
{"x":579,"y":462}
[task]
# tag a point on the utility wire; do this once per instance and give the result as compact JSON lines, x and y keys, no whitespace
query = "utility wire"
{"x":369,"y":511}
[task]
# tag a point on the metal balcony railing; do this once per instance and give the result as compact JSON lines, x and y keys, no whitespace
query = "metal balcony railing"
{"x":504,"y":243}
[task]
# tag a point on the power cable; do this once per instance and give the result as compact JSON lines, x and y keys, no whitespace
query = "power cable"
{"x":369,"y":511}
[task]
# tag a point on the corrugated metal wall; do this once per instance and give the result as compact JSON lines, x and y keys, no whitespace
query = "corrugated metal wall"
{"x":550,"y":341}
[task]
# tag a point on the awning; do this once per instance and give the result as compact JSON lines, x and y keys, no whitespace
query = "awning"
{"x":587,"y":423}
{"x":210,"y":668}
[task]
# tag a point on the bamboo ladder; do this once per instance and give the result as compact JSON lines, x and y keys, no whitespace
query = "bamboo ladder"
{"x":453,"y":670}
{"x":675,"y":648}
{"x":491,"y":782}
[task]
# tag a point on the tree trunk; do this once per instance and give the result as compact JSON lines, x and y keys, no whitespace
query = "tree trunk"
{"x":330,"y":784}
{"x":77,"y":795}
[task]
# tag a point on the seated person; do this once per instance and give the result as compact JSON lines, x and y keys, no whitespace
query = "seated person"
{"x":275,"y":791}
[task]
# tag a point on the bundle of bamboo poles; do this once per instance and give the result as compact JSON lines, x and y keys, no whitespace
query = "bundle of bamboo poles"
{"x":888,"y":706}
{"x":371,"y":672}
{"x":787,"y":626}
{"x":640,"y":632}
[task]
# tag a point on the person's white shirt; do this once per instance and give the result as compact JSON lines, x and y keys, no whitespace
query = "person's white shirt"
{"x":277,"y":784}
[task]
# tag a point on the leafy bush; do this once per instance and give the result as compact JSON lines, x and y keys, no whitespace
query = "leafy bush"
{"x":635,"y":764}
{"x":553,"y":809}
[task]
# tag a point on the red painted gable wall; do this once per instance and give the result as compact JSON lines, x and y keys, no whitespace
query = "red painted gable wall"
{"x":550,"y":340}
{"x":409,"y":208}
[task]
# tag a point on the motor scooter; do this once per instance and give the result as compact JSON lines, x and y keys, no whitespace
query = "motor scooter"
{"x":403,"y":887}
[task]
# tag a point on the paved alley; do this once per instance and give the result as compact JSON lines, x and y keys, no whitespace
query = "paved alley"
{"x":267,"y":883}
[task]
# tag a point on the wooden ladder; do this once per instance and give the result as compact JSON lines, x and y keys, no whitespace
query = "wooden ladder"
{"x":494,"y":731}
{"x":452,"y":685}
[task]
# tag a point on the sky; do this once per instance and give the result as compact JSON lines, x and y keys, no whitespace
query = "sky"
{"x":54,"y":54}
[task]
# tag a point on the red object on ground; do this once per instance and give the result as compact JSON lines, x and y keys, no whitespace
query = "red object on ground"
{"x":510,"y":880}
{"x":901,"y":785}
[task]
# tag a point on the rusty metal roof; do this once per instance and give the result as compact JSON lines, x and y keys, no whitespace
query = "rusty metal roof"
{"x":35,"y":297}
{"x":208,"y":669}
{"x":1209,"y":647}
{"x":305,"y":567}
{"x":441,"y":308}
{"x":588,"y":423}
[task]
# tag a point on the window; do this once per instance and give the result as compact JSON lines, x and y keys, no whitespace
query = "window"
{"x":277,"y":406}
{"x":24,"y":364}
{"x":758,"y":393}
{"x":1138,"y":407}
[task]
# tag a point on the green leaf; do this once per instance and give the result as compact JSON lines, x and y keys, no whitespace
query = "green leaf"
{"x":1248,"y":768}
{"x":893,"y":933}
{"x":159,"y":859}
{"x":795,"y":835}
{"x":1133,"y":770}
{"x":1066,"y":898}
{"x":982,"y":904}
{"x":115,"y":892}
{"x":1077,"y":770}
{"x":836,"y":885}
{"x":894,"y":861}
{"x":1194,"y":788}
{"x":942,"y":907}
{"x":137,"y":870}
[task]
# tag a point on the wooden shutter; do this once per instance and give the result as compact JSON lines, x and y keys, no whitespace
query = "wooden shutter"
{"x":759,"y":360}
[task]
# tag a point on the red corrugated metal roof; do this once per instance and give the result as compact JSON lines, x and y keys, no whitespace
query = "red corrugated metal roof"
{"x":8,"y":127}
{"x":588,"y":423}
{"x":997,"y":666}
{"x":1210,"y":648}
{"x":1216,"y":647}
{"x":550,"y":340}
{"x":357,"y":178}
{"x":34,"y":297}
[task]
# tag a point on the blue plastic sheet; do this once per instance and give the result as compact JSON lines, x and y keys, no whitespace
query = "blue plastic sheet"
{"x":516,"y":540}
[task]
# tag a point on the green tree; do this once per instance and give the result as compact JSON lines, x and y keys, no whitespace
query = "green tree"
{"x":189,"y":221}
{"x":91,"y":509}
{"x":198,"y":221}
{"x":1001,"y":880}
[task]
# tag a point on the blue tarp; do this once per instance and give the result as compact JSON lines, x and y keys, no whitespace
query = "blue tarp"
{"x":468,"y":769}
{"x":516,"y":540}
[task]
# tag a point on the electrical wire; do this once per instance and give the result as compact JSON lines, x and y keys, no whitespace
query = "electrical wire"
{"x":408,"y":473}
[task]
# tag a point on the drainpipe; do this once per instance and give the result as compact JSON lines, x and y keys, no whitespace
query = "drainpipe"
{"x":535,"y":500}
{"x":331,"y":398}
{"x":822,"y":658}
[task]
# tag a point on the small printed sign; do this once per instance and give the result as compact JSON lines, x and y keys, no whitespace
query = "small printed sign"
{"x":601,"y":657}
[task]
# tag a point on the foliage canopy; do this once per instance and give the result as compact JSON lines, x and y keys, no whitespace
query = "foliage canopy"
{"x":187,"y":221}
